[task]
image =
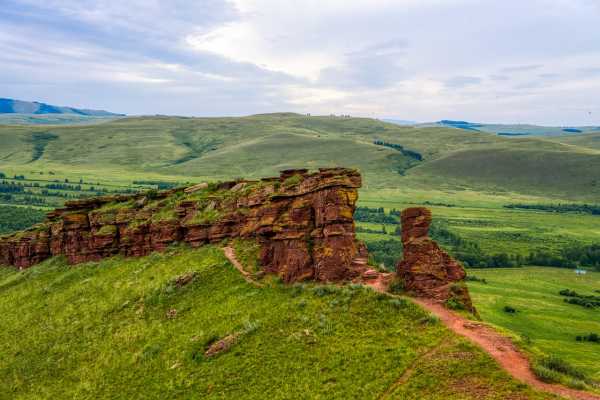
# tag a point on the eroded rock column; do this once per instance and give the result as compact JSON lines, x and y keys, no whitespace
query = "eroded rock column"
{"x":426,"y":269}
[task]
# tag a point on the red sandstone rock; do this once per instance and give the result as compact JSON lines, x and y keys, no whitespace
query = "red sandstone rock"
{"x":304,"y":225}
{"x":426,"y":269}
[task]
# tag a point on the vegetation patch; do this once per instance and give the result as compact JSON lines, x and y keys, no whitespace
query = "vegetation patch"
{"x":591,"y":337}
{"x":588,"y":301}
{"x":18,"y":218}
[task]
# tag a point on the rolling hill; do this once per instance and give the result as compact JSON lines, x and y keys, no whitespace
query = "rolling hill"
{"x":516,"y":130}
{"x":388,"y":155}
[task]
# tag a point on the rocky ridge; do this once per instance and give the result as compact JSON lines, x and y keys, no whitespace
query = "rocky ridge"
{"x":303,"y":222}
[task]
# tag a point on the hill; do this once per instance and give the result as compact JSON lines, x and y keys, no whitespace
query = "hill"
{"x":589,"y":140}
{"x":125,"y":328}
{"x":388,"y":155}
{"x":516,"y":130}
{"x":11,"y":106}
{"x":53,"y":119}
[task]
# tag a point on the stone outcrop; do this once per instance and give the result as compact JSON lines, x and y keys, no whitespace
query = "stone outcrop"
{"x":426,"y":269}
{"x":303,"y":222}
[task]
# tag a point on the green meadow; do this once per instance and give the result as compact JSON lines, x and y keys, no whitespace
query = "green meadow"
{"x":543,"y":321}
{"x":125,"y":329}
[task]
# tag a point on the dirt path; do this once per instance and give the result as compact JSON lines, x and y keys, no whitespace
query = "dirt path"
{"x":230,"y":254}
{"x":501,"y":349}
{"x":498,"y":346}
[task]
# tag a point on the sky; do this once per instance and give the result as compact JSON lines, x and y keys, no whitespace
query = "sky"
{"x":509,"y":61}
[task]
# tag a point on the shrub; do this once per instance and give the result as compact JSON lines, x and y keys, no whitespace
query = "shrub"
{"x":560,"y":366}
{"x":509,"y":309}
{"x":292,"y":180}
{"x":473,"y":278}
{"x":396,"y":287}
{"x":592,"y":337}
{"x":454,"y":304}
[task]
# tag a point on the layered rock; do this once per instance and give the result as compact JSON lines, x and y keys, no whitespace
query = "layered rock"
{"x":304,"y":223}
{"x":426,"y":269}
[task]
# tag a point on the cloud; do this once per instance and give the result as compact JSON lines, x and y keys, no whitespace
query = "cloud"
{"x":462,"y":81}
{"x":512,"y":61}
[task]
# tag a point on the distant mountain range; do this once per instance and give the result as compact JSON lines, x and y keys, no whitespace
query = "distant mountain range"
{"x":516,"y":130}
{"x":11,"y":106}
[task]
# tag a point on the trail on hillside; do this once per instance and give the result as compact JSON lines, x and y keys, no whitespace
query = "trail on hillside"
{"x":500,"y":347}
{"x":230,"y":254}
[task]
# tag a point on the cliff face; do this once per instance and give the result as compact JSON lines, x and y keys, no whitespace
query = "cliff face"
{"x":303,"y":222}
{"x":426,"y":269}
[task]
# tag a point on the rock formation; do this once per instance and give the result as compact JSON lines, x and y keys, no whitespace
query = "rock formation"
{"x":304,"y":223}
{"x":426,"y":269}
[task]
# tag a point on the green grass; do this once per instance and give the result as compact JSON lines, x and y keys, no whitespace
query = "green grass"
{"x":547,"y":325}
{"x":123,"y":328}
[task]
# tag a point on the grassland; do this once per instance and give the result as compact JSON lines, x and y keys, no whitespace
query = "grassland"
{"x":123,"y":328}
{"x":544,"y":323}
{"x":171,"y":148}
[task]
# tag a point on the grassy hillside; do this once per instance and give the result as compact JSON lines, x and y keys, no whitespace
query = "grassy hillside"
{"x":545,"y":322}
{"x":590,"y":140}
{"x":183,"y":148}
{"x":124,"y":328}
{"x":521,"y":168}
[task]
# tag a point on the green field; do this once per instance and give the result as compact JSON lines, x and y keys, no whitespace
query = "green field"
{"x":123,"y":328}
{"x":543,"y":321}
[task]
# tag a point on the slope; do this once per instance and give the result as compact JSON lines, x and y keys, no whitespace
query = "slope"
{"x":388,"y":155}
{"x":132,"y":329}
{"x":589,"y":140}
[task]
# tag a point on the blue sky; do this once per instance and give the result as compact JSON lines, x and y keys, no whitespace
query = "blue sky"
{"x":535,"y":61}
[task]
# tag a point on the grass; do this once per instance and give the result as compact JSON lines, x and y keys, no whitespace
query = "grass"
{"x":546,"y":324}
{"x":128,"y":328}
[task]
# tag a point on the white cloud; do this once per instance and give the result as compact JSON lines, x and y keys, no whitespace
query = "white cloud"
{"x":533,"y":61}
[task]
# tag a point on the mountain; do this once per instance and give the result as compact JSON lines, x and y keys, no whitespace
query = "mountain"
{"x":11,"y":106}
{"x":515,"y":130}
